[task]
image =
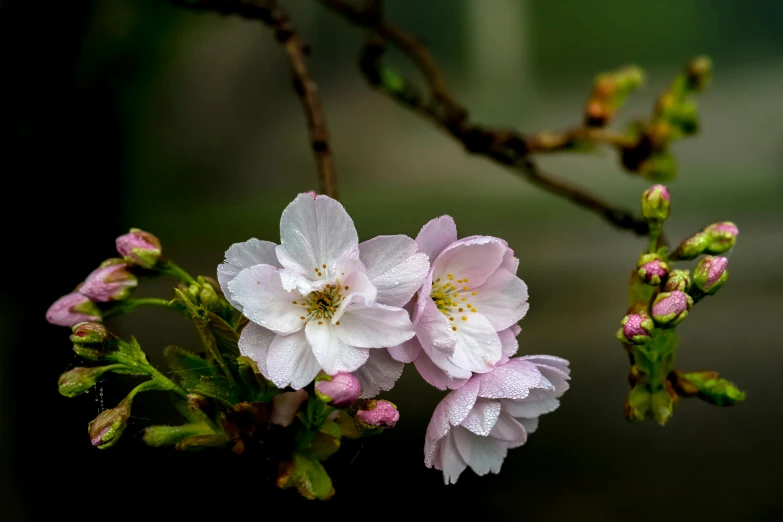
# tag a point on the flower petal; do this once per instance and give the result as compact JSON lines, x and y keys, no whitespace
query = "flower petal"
{"x":478,"y":346}
{"x":452,"y":410}
{"x":252,"y":252}
{"x":358,"y":292}
{"x":436,"y":235}
{"x":333,"y":355}
{"x":530,"y":425}
{"x":254,"y":342}
{"x":502,"y":299}
{"x":394,"y":267}
{"x":378,"y":327}
{"x":264,"y":301}
{"x":554,"y":369}
{"x":407,"y":351}
{"x":482,"y":454}
{"x":513,"y":380}
{"x":433,"y":328}
{"x":314,"y":232}
{"x":538,"y":402}
{"x":380,"y":372}
{"x":448,"y":377}
{"x":475,"y":258}
{"x":482,"y":417}
{"x":290,"y":361}
{"x":509,"y":430}
{"x":449,"y":461}
{"x":508,"y":343}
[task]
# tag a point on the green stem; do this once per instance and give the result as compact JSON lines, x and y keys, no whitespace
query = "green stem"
{"x":128,"y":305}
{"x":172,"y":269}
{"x":655,"y":232}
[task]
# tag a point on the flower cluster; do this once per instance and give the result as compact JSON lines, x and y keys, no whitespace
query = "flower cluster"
{"x":335,"y":321}
{"x":661,"y":298}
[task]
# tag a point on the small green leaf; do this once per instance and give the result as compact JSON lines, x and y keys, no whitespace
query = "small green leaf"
{"x":713,"y":388}
{"x":188,"y":366}
{"x":330,"y":427}
{"x":157,"y":436}
{"x":218,"y":388}
{"x":309,"y":477}
{"x":323,"y":446}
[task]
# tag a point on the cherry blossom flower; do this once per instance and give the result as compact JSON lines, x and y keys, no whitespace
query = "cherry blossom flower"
{"x":475,"y":425}
{"x":320,"y":300}
{"x":470,"y":297}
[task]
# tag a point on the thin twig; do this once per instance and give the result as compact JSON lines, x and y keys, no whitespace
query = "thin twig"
{"x":507,"y":147}
{"x":272,"y":15}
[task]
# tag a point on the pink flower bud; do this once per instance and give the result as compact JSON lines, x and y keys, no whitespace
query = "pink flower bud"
{"x":110,"y":283}
{"x":652,"y":271}
{"x":710,"y":274}
{"x":285,"y":407}
{"x":636,"y":329}
{"x":722,"y":237}
{"x":338,"y":390}
{"x":691,"y":247}
{"x":377,"y":414}
{"x":656,"y":203}
{"x":73,"y":309}
{"x":679,"y":280}
{"x":139,"y":248}
{"x":670,"y":308}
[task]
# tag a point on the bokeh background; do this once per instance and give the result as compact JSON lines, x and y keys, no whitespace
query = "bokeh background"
{"x":120,"y":113}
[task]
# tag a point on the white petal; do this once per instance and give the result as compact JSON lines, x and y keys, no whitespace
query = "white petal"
{"x":475,"y":258}
{"x":314,"y":232}
{"x":394,"y":267}
{"x":264,"y":301}
{"x":513,"y":380}
{"x":502,"y":299}
{"x":294,"y":280}
{"x":508,"y":343}
{"x":446,"y":377}
{"x":530,"y":425}
{"x":509,"y":430}
{"x":449,"y":461}
{"x":538,"y":402}
{"x":478,"y":345}
{"x":225,"y":274}
{"x":482,"y":454}
{"x":433,"y":328}
{"x":436,"y":235}
{"x":333,"y":355}
{"x":452,"y":410}
{"x":358,"y":292}
{"x":377,"y":327}
{"x":291,"y":361}
{"x":254,"y":343}
{"x":482,"y":417}
{"x":407,"y":351}
{"x":252,"y":252}
{"x":554,"y":369}
{"x":380,"y":372}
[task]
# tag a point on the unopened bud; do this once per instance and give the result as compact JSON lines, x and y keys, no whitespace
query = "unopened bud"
{"x":139,"y":248}
{"x":651,"y":269}
{"x":110,"y":283}
{"x":670,"y":308}
{"x":629,"y":78}
{"x":692,"y":247}
{"x":656,"y":203}
{"x":72,"y":309}
{"x":722,"y":237}
{"x":89,"y":333}
{"x":712,"y":387}
{"x":636,"y":328}
{"x":340,"y":390}
{"x":285,"y":407}
{"x":678,"y":280}
{"x":710,"y":274}
{"x":106,"y":428}
{"x":698,"y":73}
{"x":375,"y":414}
{"x":79,"y":380}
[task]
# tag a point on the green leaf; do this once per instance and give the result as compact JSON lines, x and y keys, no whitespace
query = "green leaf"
{"x":188,"y":366}
{"x":330,"y":427}
{"x":309,"y":477}
{"x":218,"y":388}
{"x":225,"y":336}
{"x":714,"y":389}
{"x":157,"y":436}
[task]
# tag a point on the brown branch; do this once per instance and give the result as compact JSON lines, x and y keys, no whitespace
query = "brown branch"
{"x":272,"y":15}
{"x":507,"y":147}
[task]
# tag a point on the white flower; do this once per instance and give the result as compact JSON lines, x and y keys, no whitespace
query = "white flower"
{"x":475,"y":425}
{"x":320,"y":300}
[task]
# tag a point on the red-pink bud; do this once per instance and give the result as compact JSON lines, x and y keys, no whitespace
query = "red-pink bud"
{"x":73,"y":309}
{"x":139,"y":248}
{"x":338,"y":390}
{"x":110,"y":283}
{"x":377,"y":414}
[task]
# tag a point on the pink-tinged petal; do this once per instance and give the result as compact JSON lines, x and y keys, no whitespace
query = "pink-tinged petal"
{"x":436,"y":235}
{"x":478,"y":345}
{"x":482,"y":454}
{"x":510,"y":262}
{"x":509,"y":430}
{"x":513,"y":380}
{"x":378,"y":327}
{"x":254,"y":343}
{"x":452,"y":410}
{"x":549,"y":360}
{"x":290,"y":361}
{"x":434,"y":329}
{"x":508,"y":343}
{"x":474,"y":258}
{"x":285,"y":407}
{"x":293,"y":280}
{"x":332,"y":354}
{"x":482,"y":417}
{"x":438,"y":377}
{"x":72,"y":309}
{"x":417,"y":306}
{"x":538,"y":402}
{"x":407,"y":351}
{"x":449,"y":460}
{"x":314,"y":232}
{"x":358,"y":292}
{"x":502,"y":299}
{"x":530,"y":425}
{"x":554,"y":369}
{"x":379,"y":373}
{"x":250,"y":253}
{"x":394,"y":267}
{"x":264,"y":301}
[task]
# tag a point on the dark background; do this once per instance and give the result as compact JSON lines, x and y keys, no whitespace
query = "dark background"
{"x":120,"y":113}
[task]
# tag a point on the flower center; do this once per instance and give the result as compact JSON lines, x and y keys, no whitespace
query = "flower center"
{"x":451,"y":298}
{"x":321,"y":304}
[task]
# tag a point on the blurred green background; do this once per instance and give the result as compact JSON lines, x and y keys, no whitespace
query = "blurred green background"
{"x":207,"y":144}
